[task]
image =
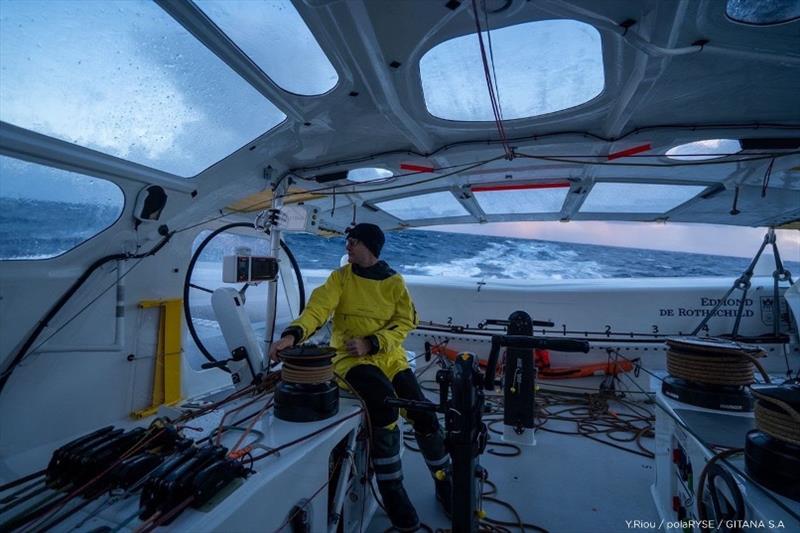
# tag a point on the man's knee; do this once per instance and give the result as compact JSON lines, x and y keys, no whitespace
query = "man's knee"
{"x":425,"y":423}
{"x":373,"y":388}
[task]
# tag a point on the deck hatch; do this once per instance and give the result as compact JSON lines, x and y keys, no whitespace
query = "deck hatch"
{"x":540,"y":67}
{"x":432,"y":205}
{"x":541,"y":198}
{"x":606,"y":197}
{"x":367,"y":174}
{"x":125,"y":79}
{"x":705,"y":149}
{"x":276,"y":38}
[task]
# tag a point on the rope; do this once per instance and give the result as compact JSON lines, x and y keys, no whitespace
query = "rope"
{"x":714,"y":369}
{"x":783,"y":424}
{"x":306,"y":375}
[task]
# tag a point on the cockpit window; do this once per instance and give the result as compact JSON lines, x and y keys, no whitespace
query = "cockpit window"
{"x":275,"y":37}
{"x":45,"y":211}
{"x":540,"y":67}
{"x":518,"y":200}
{"x":125,"y":79}
{"x":637,"y":197}
{"x":431,"y":205}
{"x":763,"y":12}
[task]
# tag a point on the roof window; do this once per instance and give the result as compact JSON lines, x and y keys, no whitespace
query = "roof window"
{"x":46,"y":211}
{"x":276,"y":38}
{"x":539,"y":67}
{"x":637,"y":197}
{"x":520,"y":199}
{"x":424,"y":206}
{"x":127,"y":80}
{"x":707,"y":149}
{"x":763,"y":12}
{"x":363,"y":175}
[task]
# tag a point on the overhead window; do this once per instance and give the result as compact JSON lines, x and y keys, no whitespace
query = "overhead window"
{"x":362,"y":175}
{"x":540,"y":67}
{"x":536,"y":198}
{"x":45,"y":211}
{"x":125,"y":79}
{"x":763,"y":12}
{"x":275,"y":37}
{"x":424,"y":206}
{"x":706,"y":149}
{"x":637,"y":197}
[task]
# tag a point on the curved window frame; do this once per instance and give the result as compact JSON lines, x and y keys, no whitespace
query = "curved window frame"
{"x":482,"y":83}
{"x":112,"y":223}
{"x":372,"y":180}
{"x":753,"y":23}
{"x":677,"y":156}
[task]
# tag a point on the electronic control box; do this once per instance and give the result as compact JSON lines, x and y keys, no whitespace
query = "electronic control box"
{"x":248,"y":268}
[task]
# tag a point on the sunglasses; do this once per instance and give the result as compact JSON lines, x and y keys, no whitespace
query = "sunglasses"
{"x":351,"y":242}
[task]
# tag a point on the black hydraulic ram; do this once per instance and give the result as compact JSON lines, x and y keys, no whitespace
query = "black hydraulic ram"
{"x":520,"y":371}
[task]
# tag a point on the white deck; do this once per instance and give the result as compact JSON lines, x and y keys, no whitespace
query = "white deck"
{"x":564,"y":484}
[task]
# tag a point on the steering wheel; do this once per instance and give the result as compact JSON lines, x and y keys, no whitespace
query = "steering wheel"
{"x":189,"y":287}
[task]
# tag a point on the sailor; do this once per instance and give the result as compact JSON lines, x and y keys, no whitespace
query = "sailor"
{"x":372,"y":315}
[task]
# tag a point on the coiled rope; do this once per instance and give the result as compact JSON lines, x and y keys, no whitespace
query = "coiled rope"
{"x":777,"y":419}
{"x":731,"y":364}
{"x":307,"y":365}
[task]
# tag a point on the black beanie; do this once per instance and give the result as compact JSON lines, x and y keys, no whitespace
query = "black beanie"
{"x":370,"y":234}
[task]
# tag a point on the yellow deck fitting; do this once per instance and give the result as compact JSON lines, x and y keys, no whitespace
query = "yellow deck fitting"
{"x":167,"y":371}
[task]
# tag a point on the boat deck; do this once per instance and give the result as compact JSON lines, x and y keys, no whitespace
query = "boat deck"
{"x":564,"y":483}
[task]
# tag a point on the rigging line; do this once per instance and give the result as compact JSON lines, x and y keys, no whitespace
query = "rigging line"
{"x":656,"y":165}
{"x":392,"y":187}
{"x":539,"y":136}
{"x":491,"y":57}
{"x":85,"y":307}
{"x":562,"y":159}
{"x":464,"y":167}
{"x":321,"y":191}
{"x":546,"y":158}
{"x":767,"y":175}
{"x":492,"y":96}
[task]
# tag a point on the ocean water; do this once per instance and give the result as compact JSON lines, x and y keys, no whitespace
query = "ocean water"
{"x":434,"y":253}
{"x":35,"y":229}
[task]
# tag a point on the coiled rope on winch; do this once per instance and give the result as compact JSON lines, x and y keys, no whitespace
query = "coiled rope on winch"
{"x":307,"y":365}
{"x":777,"y":418}
{"x":714,"y":361}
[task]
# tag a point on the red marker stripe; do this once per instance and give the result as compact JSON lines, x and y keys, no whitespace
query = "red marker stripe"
{"x":415,"y":168}
{"x":520,"y":186}
{"x":629,"y":151}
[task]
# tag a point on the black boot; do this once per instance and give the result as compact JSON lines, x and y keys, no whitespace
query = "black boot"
{"x":438,"y":461}
{"x":389,"y":473}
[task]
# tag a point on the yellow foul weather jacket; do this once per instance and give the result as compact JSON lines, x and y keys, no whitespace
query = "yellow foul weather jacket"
{"x":372,"y":303}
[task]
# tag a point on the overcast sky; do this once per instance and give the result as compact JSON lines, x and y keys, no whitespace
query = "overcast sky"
{"x":695,"y":238}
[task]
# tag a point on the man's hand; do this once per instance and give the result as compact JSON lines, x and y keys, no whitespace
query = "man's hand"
{"x":358,"y":346}
{"x":286,"y":341}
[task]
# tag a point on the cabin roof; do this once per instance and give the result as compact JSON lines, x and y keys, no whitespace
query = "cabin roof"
{"x":600,"y":106}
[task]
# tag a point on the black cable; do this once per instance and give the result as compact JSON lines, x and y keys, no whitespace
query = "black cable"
{"x":523,"y":526}
{"x":657,"y":165}
{"x":539,"y":136}
{"x":44,"y":322}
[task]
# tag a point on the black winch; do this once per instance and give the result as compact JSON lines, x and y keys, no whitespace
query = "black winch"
{"x":772,"y":452}
{"x":307,"y":392}
{"x":711,"y":373}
